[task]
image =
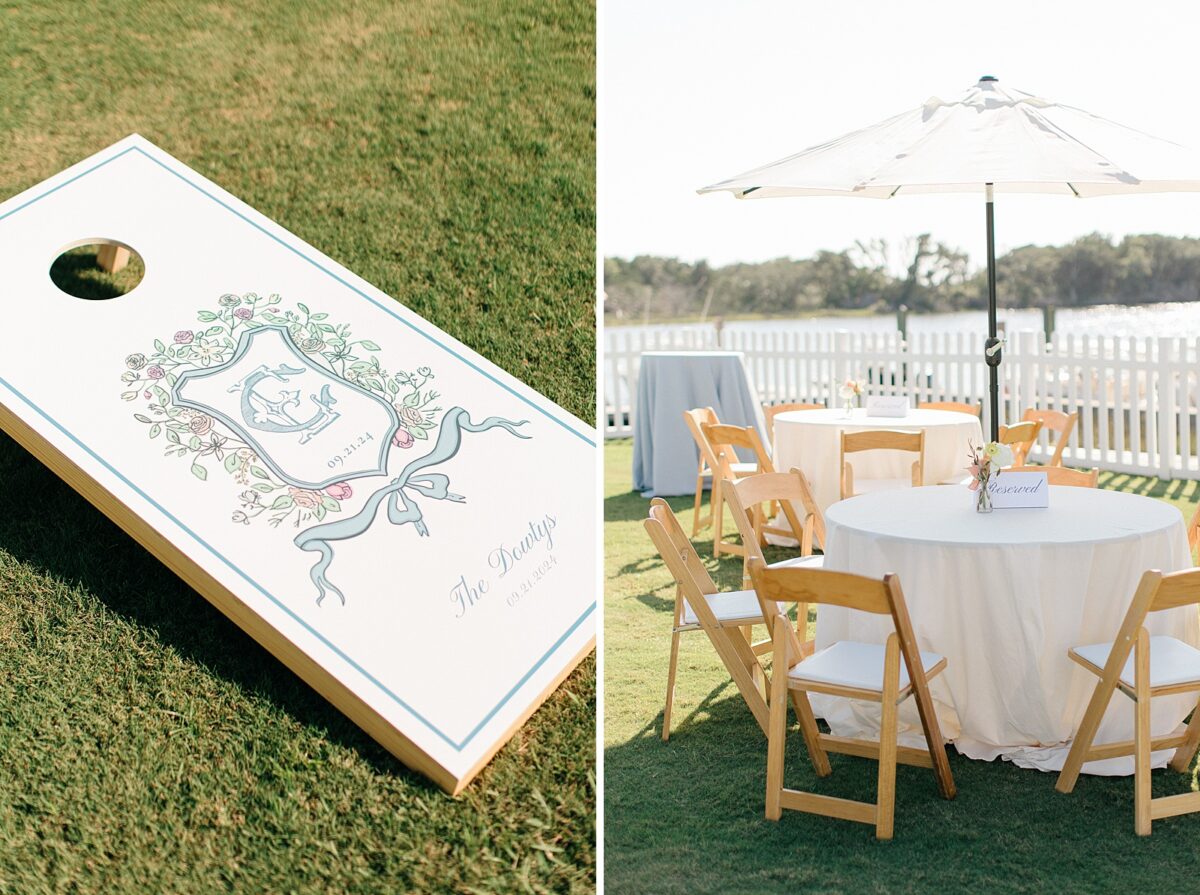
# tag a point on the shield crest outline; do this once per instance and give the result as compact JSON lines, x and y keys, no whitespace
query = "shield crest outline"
{"x":244,"y":347}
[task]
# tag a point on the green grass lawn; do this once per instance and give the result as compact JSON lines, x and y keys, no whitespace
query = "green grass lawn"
{"x":688,"y":816}
{"x":445,"y":152}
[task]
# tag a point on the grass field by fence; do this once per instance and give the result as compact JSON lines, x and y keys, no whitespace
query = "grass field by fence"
{"x":687,"y":816}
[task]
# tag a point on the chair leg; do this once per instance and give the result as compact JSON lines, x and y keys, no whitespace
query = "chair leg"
{"x":666,"y":730}
{"x":1182,"y":759}
{"x":885,"y":802}
{"x":1101,"y":696}
{"x":811,"y":733}
{"x":1141,"y":737}
{"x":717,"y":501}
{"x":697,"y":522}
{"x":776,"y":740}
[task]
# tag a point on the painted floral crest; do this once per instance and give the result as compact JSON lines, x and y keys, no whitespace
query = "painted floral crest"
{"x":209,"y":445}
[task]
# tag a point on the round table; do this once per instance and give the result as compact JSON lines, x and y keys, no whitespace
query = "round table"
{"x":811,"y":440}
{"x":665,"y":455}
{"x":1003,"y":596}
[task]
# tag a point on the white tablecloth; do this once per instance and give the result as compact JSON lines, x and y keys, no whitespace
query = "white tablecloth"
{"x":665,"y":455}
{"x":811,"y":440}
{"x":1003,"y":596}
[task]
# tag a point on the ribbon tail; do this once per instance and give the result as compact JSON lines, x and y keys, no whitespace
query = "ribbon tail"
{"x":401,"y":508}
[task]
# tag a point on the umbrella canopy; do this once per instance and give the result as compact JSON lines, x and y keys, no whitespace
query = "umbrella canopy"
{"x":990,"y":140}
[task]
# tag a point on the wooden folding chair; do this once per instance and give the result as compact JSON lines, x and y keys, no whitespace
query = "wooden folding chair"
{"x":850,"y":669}
{"x":1193,"y":530}
{"x":1020,"y":437}
{"x":695,"y":419}
{"x":954,"y":406}
{"x":700,"y":607}
{"x":771,"y":410}
{"x":1053,"y":421}
{"x":881,"y":440}
{"x":724,"y":440}
{"x":791,"y":491}
{"x":1142,"y":667}
{"x":1064,"y":475}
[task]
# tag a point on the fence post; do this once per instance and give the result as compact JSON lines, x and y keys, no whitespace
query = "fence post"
{"x":1166,"y":408}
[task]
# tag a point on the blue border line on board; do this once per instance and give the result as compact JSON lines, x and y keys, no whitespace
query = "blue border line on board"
{"x":458,"y":747}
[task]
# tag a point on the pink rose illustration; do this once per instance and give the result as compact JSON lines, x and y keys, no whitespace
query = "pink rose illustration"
{"x":201,"y":424}
{"x":306,"y":500}
{"x":243,"y":313}
{"x":403,"y":439}
{"x":184,"y":337}
{"x":339,"y":491}
{"x":411,"y":416}
{"x":155,"y":372}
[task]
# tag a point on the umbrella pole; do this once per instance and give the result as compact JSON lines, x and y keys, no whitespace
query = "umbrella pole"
{"x":991,"y":351}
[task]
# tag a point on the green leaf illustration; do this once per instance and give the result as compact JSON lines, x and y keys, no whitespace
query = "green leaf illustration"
{"x":369,"y":345}
{"x":199,"y":472}
{"x":258,"y":473}
{"x":206,"y":316}
{"x":330,"y":503}
{"x":282,"y":502}
{"x":142,"y":418}
{"x":231,"y":463}
{"x":154,"y":430}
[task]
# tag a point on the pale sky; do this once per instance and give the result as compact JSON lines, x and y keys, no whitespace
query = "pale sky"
{"x":695,"y":91}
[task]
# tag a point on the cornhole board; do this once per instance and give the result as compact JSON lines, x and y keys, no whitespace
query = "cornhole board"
{"x":403,"y":524}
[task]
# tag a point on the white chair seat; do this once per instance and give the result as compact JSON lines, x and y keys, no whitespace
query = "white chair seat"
{"x":730,"y":606}
{"x":1171,"y":661}
{"x":807,"y":562}
{"x":849,"y":663}
{"x":744,"y":469}
{"x":867,"y":486}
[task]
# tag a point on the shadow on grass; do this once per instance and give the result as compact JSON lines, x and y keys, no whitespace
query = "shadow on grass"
{"x":65,"y":537}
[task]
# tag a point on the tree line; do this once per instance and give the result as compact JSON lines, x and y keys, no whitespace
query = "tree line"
{"x":1089,"y":271}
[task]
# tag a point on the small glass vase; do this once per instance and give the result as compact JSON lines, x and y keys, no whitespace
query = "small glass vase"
{"x":983,"y":499}
{"x":848,"y":408}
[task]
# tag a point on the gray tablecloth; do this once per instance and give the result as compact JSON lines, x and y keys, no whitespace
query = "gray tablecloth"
{"x":669,"y":382}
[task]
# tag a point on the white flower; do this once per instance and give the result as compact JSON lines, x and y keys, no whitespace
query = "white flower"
{"x":1003,"y":457}
{"x":846,"y":392}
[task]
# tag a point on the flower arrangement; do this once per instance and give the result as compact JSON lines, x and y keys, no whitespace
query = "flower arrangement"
{"x":849,"y":392}
{"x":986,"y":463}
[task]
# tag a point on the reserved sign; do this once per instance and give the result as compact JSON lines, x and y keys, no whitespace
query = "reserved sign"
{"x":887,"y":405}
{"x":1019,"y":489}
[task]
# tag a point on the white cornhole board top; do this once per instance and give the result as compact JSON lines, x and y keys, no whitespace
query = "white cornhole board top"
{"x":434,"y":667}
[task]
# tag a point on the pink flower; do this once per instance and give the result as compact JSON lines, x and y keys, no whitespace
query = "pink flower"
{"x":243,"y":313}
{"x":156,"y":372}
{"x":339,"y":491}
{"x":184,"y":337}
{"x":403,"y":439}
{"x":305,"y":499}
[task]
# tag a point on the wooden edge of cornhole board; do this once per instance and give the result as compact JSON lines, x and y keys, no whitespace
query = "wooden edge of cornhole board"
{"x":226,"y":601}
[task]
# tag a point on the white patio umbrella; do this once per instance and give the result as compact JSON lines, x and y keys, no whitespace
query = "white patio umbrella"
{"x":990,"y":140}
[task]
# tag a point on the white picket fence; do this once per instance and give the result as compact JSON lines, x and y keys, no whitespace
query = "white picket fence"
{"x":1136,"y":397}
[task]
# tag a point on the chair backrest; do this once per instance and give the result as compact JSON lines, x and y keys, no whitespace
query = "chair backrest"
{"x":1061,"y":475}
{"x":777,"y":588}
{"x":955,"y":406}
{"x":788,"y":488}
{"x":1054,"y":421}
{"x":881,"y":440}
{"x":770,"y":410}
{"x":1193,"y":529}
{"x":1155,"y":592}
{"x":695,"y":420}
{"x":723,"y":439}
{"x":1020,"y":437}
{"x":681,"y":546}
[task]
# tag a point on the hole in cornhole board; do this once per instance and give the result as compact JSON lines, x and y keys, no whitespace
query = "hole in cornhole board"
{"x":97,"y":269}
